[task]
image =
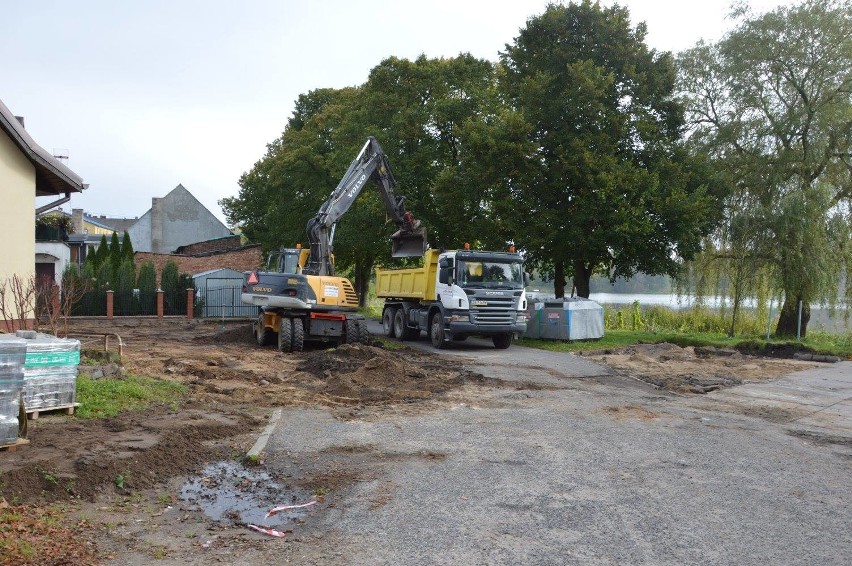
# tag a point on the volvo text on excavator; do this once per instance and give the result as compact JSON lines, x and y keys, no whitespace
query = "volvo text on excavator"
{"x":300,"y":298}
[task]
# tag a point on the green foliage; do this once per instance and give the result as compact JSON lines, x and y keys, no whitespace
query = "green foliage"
{"x":103,"y":398}
{"x":147,"y":285}
{"x":115,"y":255}
{"x":127,"y":248}
{"x":147,"y":280}
{"x":770,"y":104}
{"x":609,"y":186}
{"x":102,"y":253}
{"x":170,"y":276}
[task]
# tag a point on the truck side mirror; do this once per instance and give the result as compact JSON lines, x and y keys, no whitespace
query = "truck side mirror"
{"x":445,"y":276}
{"x":526,"y":278}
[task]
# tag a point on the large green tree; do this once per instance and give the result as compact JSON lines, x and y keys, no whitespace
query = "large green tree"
{"x":608,"y":185}
{"x":418,"y":111}
{"x":772,"y":104}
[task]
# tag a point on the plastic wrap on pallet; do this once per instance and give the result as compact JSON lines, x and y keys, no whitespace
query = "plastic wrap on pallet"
{"x":13,"y":353}
{"x":50,"y":372}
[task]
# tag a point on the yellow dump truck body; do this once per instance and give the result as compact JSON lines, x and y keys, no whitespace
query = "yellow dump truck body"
{"x":413,"y":283}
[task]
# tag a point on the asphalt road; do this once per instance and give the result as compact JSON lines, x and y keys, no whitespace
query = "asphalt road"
{"x":576,"y":466}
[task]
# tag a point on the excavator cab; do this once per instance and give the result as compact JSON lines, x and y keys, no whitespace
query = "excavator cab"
{"x":408,"y":243}
{"x":287,"y":260}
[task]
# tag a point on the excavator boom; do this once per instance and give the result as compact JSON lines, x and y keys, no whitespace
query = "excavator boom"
{"x":371,"y":164}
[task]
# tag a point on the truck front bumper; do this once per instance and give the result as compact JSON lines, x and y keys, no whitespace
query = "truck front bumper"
{"x":517,"y":328}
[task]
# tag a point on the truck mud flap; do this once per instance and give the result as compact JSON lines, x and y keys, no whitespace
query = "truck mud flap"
{"x":408,"y":243}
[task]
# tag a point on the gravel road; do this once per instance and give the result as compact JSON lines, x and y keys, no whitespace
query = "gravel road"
{"x":576,"y":466}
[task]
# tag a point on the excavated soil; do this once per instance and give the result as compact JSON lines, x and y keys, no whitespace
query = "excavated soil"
{"x":693,"y":370}
{"x":232,"y":384}
{"x":117,"y":476}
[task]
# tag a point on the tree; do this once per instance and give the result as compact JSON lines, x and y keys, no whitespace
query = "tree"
{"x":126,"y":248}
{"x":608,"y":185}
{"x":418,"y":111}
{"x":101,"y":256}
{"x":147,"y":285}
{"x":115,"y":254}
{"x":771,"y":104}
{"x":125,"y":282}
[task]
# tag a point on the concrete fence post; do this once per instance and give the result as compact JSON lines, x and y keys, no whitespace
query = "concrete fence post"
{"x":160,"y":295}
{"x":190,"y":303}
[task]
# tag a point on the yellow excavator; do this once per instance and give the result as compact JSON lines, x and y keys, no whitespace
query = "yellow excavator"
{"x":299,"y":297}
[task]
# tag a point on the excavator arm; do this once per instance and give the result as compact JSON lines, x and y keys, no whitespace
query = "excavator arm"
{"x":370,"y":164}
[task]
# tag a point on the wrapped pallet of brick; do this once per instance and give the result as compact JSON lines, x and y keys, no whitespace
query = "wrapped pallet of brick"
{"x":50,"y":371}
{"x":13,"y":352}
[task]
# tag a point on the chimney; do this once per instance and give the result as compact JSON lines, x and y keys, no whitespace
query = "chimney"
{"x":77,"y":220}
{"x":21,"y":120}
{"x":157,"y":244}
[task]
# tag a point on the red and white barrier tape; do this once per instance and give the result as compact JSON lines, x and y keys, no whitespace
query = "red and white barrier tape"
{"x":264,"y":530}
{"x":277,"y":510}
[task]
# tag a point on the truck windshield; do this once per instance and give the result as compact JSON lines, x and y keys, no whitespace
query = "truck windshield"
{"x":490,"y":274}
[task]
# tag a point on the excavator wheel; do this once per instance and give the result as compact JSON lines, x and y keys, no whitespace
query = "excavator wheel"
{"x":351,"y":331}
{"x":298,"y":335}
{"x":264,"y":335}
{"x":363,"y":332}
{"x":285,"y":335}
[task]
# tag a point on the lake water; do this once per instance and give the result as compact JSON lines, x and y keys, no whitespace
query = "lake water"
{"x":821,"y":318}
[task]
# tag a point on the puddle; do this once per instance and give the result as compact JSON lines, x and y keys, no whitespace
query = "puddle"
{"x":228,"y":491}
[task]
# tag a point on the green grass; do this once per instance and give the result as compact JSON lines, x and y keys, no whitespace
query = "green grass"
{"x":101,"y":398}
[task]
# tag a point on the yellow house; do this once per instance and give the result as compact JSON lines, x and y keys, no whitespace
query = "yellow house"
{"x":26,"y":171}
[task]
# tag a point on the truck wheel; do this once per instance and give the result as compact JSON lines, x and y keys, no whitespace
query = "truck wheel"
{"x":436,"y":332}
{"x":285,"y":335}
{"x":399,"y":330}
{"x":387,"y":321}
{"x":502,"y":341}
{"x":298,"y":335}
{"x":264,"y":336}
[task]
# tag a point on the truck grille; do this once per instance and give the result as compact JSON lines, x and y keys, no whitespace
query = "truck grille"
{"x":493,"y":316}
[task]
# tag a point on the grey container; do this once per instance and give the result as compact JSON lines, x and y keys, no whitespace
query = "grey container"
{"x":50,"y":372}
{"x":565,"y":319}
{"x":13,"y":352}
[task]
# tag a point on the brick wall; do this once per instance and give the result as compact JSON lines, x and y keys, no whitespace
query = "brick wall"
{"x":218,"y":245}
{"x":244,"y":259}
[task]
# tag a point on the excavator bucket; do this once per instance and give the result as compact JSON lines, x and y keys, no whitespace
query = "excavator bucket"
{"x":408,"y":243}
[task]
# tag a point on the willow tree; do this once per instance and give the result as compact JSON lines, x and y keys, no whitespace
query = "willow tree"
{"x":772,"y":104}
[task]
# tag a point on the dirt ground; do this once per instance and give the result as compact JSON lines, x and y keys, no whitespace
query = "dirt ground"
{"x":121,"y":483}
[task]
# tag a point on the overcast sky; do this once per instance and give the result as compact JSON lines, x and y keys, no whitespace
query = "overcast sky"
{"x":145,"y":95}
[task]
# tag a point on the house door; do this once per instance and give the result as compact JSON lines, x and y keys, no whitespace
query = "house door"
{"x":45,"y":279}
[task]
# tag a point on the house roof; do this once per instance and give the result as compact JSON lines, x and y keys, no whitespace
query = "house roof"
{"x":52,"y":176}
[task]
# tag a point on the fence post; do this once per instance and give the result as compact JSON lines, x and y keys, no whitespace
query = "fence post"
{"x":190,"y":306}
{"x":110,"y":294}
{"x":160,"y":294}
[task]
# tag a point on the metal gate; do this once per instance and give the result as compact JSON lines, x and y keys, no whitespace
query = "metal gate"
{"x":221,"y":299}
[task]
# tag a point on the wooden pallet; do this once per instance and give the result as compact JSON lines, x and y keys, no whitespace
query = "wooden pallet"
{"x":14,"y":446}
{"x":32,"y":414}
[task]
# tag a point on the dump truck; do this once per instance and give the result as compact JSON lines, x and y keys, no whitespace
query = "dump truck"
{"x":456,"y":294}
